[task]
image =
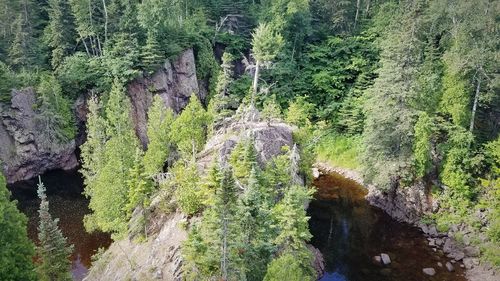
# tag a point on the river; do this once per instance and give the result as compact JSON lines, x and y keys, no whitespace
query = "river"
{"x":64,"y":192}
{"x":349,"y":233}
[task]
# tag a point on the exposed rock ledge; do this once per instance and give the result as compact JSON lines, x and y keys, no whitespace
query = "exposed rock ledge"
{"x":23,"y":153}
{"x":408,"y":205}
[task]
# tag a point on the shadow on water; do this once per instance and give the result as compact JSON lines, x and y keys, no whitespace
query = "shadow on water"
{"x":64,"y":191}
{"x":349,"y":233}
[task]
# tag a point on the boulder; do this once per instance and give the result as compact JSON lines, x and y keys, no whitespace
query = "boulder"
{"x":377,"y":260}
{"x":429,"y":271}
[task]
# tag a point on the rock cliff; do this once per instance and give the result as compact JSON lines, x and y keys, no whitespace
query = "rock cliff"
{"x":23,"y":153}
{"x":174,"y":82}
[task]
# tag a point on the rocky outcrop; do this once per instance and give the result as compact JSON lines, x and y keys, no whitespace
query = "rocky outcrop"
{"x":174,"y":82}
{"x":269,"y":139}
{"x":23,"y":151}
{"x":159,"y":257}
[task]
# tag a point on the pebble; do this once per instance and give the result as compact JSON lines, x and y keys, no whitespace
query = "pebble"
{"x":429,"y":271}
{"x":450,"y":267}
{"x":385,"y":258}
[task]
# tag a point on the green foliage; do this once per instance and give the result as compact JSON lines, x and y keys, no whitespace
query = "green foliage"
{"x":286,"y":267}
{"x":422,"y":147}
{"x":17,"y":251}
{"x":187,"y":187}
{"x":79,"y":73}
{"x":140,"y":187}
{"x":160,"y":120}
{"x":266,"y":43}
{"x":189,"y":130}
{"x":107,"y":156}
{"x":299,"y":112}
{"x":340,"y":151}
{"x":58,"y":33}
{"x":455,"y":100}
{"x":151,"y":54}
{"x":291,"y":218}
{"x":55,"y":119}
{"x":54,"y":251}
{"x":271,"y":110}
{"x":243,"y":159}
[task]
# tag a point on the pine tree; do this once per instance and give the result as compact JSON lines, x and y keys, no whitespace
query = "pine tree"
{"x":23,"y":53}
{"x":54,"y":251}
{"x":55,"y":120}
{"x":218,"y":107}
{"x":59,"y":31}
{"x":107,"y":173}
{"x":151,"y":55}
{"x":160,"y":120}
{"x":266,"y":45}
{"x":17,"y":251}
{"x":189,"y":130}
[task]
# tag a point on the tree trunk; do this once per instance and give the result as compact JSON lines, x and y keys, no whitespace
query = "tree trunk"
{"x":255,"y":81}
{"x":358,"y":4}
{"x":224,"y":249}
{"x":105,"y":20}
{"x":474,"y":107}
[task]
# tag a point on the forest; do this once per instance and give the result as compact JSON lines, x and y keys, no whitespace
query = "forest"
{"x":403,"y":92}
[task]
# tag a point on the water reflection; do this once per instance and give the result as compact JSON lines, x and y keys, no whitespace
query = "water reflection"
{"x":70,"y":206}
{"x":349,"y":233}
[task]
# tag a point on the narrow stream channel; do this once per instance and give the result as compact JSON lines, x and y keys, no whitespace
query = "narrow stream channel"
{"x":349,"y":233}
{"x":70,"y":206}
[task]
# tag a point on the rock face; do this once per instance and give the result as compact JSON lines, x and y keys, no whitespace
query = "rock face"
{"x":23,"y":152}
{"x":158,"y":258}
{"x":269,"y":139}
{"x":174,"y":82}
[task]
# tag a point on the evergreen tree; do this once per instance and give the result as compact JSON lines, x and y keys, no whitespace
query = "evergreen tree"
{"x":56,"y":121}
{"x":107,"y":173}
{"x":187,"y":190}
{"x":23,"y":52}
{"x":17,"y":251}
{"x":59,"y":31}
{"x":151,"y":55}
{"x":266,"y":45}
{"x":139,"y":185}
{"x":286,"y":267}
{"x":219,"y":104}
{"x":189,"y":130}
{"x":54,"y":251}
{"x":160,"y":120}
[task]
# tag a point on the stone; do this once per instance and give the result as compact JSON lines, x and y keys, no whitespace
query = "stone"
{"x":440,"y":264}
{"x":439,"y":241}
{"x":457,"y":255}
{"x":466,"y":240}
{"x":432,"y":242}
{"x":429,"y":271}
{"x":471,"y":251}
{"x":468,"y":263}
{"x":433,"y":231}
{"x":386,"y":260}
{"x":315,"y":173}
{"x":377,"y":260}
{"x":450,"y":267}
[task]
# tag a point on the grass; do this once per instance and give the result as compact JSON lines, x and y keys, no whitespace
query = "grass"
{"x":340,"y":151}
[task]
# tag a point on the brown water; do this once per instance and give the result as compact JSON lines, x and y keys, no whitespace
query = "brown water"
{"x":349,"y":232}
{"x":66,"y":203}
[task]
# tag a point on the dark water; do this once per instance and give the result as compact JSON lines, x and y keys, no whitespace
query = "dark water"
{"x":66,"y":203}
{"x":349,"y":233}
